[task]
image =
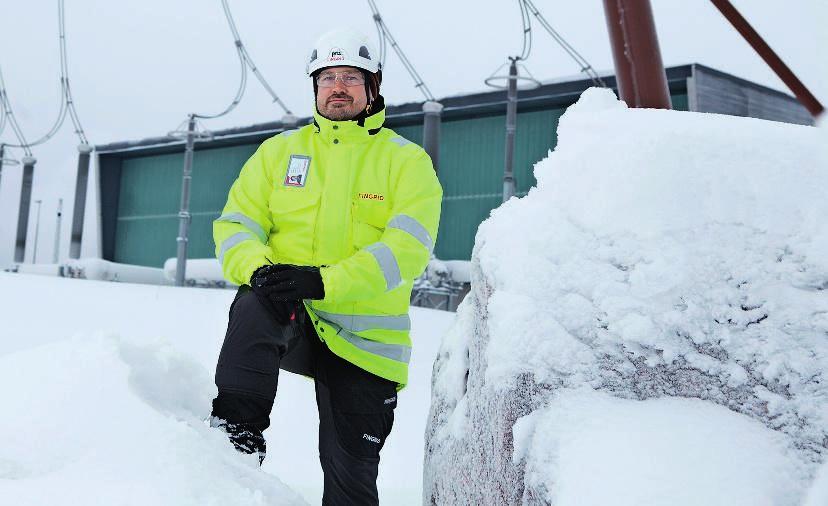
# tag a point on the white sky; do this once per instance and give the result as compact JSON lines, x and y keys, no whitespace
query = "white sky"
{"x":138,"y":67}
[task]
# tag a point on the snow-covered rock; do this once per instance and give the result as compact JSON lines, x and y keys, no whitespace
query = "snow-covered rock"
{"x":649,"y":323}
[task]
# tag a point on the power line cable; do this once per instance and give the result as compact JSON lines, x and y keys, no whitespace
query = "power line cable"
{"x":380,"y":39}
{"x":2,"y":116}
{"x":580,"y":60}
{"x":64,"y":63}
{"x":527,"y":31}
{"x":245,"y":61}
{"x":386,"y":36}
{"x":12,"y":121}
{"x":67,"y":105}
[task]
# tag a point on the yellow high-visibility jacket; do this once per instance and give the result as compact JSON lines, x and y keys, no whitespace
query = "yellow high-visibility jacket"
{"x":360,"y":202}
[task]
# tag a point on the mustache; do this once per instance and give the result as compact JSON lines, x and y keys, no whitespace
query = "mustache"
{"x":339,"y":96}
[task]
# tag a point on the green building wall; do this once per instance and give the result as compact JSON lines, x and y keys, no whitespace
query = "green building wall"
{"x":471,"y":172}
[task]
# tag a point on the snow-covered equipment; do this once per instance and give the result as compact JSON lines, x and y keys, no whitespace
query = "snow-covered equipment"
{"x":442,"y":285}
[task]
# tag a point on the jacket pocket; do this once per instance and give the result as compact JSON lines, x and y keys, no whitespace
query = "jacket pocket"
{"x":369,"y":221}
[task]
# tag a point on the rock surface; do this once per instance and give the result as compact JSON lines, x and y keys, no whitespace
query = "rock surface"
{"x":663,"y":254}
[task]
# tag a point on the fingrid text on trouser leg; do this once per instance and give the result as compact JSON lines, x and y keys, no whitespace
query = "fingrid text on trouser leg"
{"x":356,"y":413}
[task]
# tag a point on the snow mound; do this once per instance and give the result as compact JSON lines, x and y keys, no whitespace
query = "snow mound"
{"x":662,"y":254}
{"x":106,"y":386}
{"x":106,"y":444}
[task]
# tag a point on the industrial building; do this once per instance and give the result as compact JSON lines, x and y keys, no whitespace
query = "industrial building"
{"x":140,"y":181}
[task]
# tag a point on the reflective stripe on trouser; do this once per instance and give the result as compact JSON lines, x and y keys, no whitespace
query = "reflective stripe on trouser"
{"x":388,"y":264}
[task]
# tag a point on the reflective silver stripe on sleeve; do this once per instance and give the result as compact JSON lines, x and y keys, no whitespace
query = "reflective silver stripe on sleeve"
{"x":246,"y":222}
{"x":233,"y":240}
{"x":408,"y":224}
{"x":400,"y":141}
{"x":359,"y":323}
{"x":288,"y":133}
{"x":388,"y":264}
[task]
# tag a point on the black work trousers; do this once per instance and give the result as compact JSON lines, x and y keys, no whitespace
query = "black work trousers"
{"x":356,"y":408}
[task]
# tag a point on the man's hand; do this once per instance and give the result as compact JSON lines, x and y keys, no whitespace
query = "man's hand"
{"x":283,"y":310}
{"x":282,"y":282}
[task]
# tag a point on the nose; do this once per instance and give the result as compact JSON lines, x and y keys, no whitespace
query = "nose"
{"x":339,"y":84}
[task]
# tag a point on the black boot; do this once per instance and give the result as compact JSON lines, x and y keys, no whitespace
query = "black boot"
{"x":243,"y":418}
{"x":245,"y":437}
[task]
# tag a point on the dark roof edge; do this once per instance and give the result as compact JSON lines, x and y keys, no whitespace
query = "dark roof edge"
{"x":745,"y":82}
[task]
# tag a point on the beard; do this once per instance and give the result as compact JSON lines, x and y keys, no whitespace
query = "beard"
{"x":339,"y":111}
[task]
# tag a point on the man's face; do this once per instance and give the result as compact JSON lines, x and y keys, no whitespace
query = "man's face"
{"x":341,"y":102}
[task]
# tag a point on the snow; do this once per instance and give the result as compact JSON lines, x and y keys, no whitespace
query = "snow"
{"x":639,"y":450}
{"x":675,"y":263}
{"x":108,"y":386}
{"x":818,"y":495}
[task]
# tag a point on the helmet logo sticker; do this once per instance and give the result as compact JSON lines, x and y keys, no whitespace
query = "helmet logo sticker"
{"x":336,"y":55}
{"x":297,"y":171}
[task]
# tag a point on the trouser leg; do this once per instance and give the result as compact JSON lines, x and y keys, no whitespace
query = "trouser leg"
{"x":247,"y":373}
{"x":356,"y":413}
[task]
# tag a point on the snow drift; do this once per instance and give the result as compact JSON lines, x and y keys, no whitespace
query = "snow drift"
{"x":649,"y":325}
{"x":106,"y":387}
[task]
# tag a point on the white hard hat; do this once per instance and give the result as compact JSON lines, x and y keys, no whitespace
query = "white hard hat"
{"x":343,"y":47}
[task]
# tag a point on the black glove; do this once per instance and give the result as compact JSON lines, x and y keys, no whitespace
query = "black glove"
{"x":283,"y":282}
{"x":283,"y":310}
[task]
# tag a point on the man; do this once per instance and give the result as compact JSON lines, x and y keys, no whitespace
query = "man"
{"x":325,"y":230}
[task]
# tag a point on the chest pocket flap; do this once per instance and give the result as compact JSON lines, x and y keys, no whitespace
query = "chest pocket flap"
{"x":294,"y":208}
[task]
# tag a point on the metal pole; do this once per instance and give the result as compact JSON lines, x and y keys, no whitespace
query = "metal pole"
{"x":23,"y":213}
{"x":184,"y":213}
{"x":639,"y":70}
{"x":432,"y":111}
{"x":771,"y":58}
{"x":84,"y":152}
{"x":56,"y":252}
{"x":37,"y":231}
{"x":511,"y":126}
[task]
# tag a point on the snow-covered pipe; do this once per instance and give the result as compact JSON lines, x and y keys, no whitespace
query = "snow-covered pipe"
{"x":37,"y":269}
{"x":104,"y":270}
{"x":200,"y":271}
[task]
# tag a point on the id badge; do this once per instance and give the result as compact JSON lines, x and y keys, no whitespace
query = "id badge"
{"x":297,"y":171}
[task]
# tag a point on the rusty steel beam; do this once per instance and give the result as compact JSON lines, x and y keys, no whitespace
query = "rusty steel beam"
{"x":639,"y":70}
{"x":771,"y":58}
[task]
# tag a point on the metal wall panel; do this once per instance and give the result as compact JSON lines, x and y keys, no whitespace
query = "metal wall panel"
{"x":150,"y":195}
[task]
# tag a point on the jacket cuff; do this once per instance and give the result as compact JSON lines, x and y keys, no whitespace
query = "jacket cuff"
{"x":328,"y":283}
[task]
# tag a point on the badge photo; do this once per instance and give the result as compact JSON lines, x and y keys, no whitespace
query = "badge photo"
{"x":297,"y":170}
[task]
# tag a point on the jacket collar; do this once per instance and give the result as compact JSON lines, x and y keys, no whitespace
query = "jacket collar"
{"x":356,"y":130}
